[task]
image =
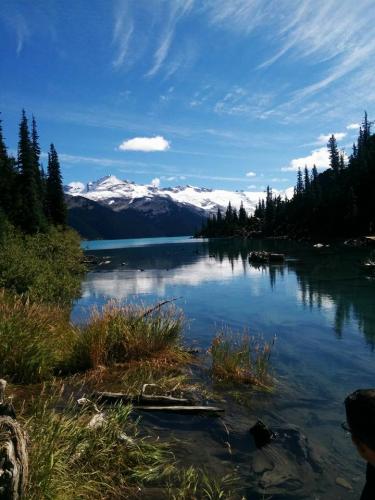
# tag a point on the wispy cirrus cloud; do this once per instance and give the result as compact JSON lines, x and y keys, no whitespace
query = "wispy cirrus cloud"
{"x":175,"y":11}
{"x":122,"y":33}
{"x":145,"y":144}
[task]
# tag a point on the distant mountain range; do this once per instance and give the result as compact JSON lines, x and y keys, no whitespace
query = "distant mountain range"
{"x":111,"y":208}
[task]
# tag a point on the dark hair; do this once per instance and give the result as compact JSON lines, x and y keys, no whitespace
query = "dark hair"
{"x":360,"y":415}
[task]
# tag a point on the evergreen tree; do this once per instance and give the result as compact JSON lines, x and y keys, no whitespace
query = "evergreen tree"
{"x":306,"y":179}
{"x":334,"y":155}
{"x":299,"y":186}
{"x":35,"y":149}
{"x":31,"y":216}
{"x":7,"y":177}
{"x":55,"y":193}
{"x":242,"y":216}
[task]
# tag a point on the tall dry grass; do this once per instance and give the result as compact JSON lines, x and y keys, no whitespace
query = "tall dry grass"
{"x":36,"y":340}
{"x":69,"y":459}
{"x":240,"y":357}
{"x":116,"y":334}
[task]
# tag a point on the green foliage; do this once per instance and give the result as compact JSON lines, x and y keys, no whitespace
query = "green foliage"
{"x":44,"y":267}
{"x":242,"y":358}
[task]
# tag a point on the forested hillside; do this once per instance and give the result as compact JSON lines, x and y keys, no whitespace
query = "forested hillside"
{"x":338,"y":202}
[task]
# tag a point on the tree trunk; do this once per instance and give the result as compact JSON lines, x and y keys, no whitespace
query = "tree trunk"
{"x":13,"y":452}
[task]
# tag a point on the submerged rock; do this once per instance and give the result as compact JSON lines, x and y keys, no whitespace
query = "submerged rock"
{"x":287,"y":464}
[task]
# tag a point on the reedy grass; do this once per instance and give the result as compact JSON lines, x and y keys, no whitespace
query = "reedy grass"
{"x":116,"y":334}
{"x":240,"y":357}
{"x":36,"y":339}
{"x":69,"y":460}
{"x":196,"y":483}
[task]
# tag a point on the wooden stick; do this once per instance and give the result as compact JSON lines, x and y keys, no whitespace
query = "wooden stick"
{"x":158,"y":306}
{"x":210,"y":410}
{"x":142,"y":399}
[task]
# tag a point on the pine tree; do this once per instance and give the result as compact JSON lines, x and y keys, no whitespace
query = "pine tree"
{"x":299,"y":186}
{"x":306,"y":179}
{"x":55,"y":193}
{"x":7,"y":177}
{"x":31,"y":216}
{"x":334,"y":155}
{"x":242,"y":216}
{"x":35,"y":150}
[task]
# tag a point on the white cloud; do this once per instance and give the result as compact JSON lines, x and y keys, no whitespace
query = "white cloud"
{"x":251,"y":174}
{"x":318,"y":157}
{"x":252,"y":186}
{"x":155,"y":182}
{"x":353,"y":126}
{"x":146,"y":144}
{"x":324,"y":138}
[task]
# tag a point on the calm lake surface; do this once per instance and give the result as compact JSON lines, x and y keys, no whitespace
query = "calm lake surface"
{"x":320,"y":306}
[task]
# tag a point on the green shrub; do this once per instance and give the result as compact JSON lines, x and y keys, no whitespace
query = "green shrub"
{"x":46,"y":267}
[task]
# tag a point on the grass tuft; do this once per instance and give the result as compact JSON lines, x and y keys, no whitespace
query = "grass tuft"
{"x":68,"y":459}
{"x":35,"y":339}
{"x":116,"y":334}
{"x":240,"y":357}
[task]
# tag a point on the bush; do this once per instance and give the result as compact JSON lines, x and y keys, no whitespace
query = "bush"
{"x":46,"y":267}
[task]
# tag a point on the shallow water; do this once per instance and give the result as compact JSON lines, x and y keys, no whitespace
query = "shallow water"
{"x":320,"y":305}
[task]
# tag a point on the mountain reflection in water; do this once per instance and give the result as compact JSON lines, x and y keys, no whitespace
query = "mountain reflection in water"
{"x":327,"y":279}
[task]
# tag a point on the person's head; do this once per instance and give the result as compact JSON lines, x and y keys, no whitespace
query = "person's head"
{"x":360,"y":417}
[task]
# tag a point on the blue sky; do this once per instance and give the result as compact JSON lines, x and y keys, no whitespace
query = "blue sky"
{"x":225,"y":94}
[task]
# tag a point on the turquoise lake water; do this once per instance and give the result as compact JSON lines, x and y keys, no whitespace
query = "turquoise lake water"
{"x":320,"y":306}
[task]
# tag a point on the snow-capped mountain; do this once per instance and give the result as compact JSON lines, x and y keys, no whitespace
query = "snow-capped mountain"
{"x":111,"y":208}
{"x":119,"y":195}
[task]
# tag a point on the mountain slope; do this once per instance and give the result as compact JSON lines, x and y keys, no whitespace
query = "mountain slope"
{"x":96,"y":221}
{"x":112,"y":208}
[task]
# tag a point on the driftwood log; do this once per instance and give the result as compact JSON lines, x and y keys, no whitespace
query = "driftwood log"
{"x":13,"y":452}
{"x":146,"y":402}
{"x":142,"y":399}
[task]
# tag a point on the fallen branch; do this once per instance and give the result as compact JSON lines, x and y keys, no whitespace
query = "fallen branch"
{"x":142,"y":399}
{"x":210,"y":410}
{"x":158,"y":306}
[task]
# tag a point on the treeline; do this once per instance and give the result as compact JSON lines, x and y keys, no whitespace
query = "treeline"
{"x":231,"y":223}
{"x":31,"y":199}
{"x":338,"y":202}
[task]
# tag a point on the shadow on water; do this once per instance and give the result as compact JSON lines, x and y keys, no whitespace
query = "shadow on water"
{"x":321,"y":306}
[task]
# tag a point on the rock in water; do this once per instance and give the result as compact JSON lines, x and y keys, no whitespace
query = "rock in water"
{"x":261,"y":434}
{"x":287,"y":465}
